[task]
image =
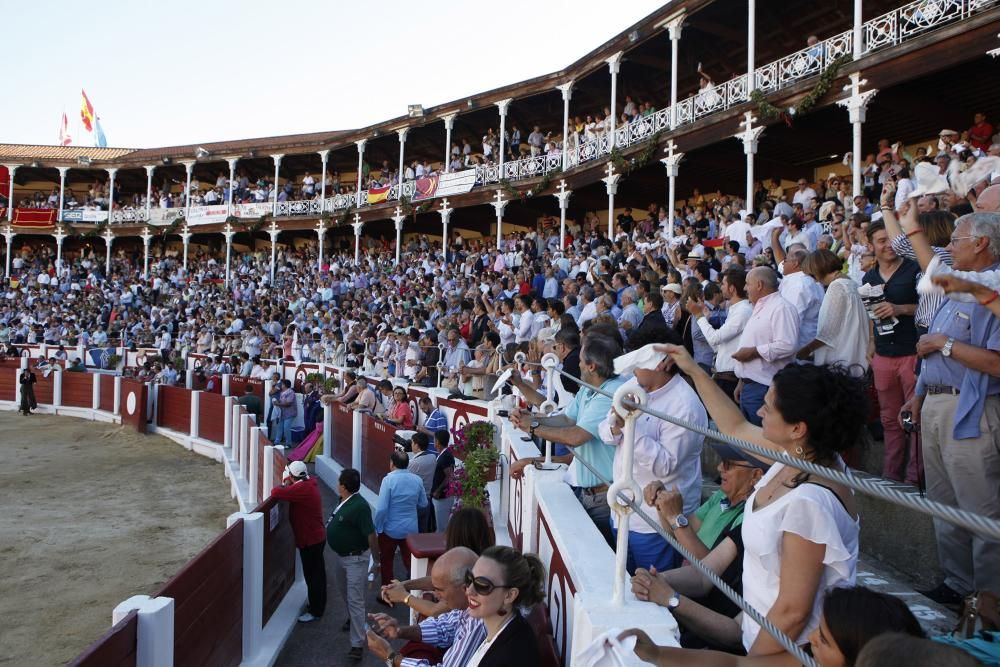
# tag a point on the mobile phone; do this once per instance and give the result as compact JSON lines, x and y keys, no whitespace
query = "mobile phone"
{"x":503,"y":413}
{"x":527,"y":438}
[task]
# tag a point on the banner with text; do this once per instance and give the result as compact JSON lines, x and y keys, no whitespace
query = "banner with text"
{"x":81,"y":215}
{"x":206,"y":215}
{"x":164,"y":216}
{"x":253,"y":210}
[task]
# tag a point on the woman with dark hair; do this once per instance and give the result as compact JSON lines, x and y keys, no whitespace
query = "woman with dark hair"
{"x":852,"y":617}
{"x":502,"y":582}
{"x":400,"y":414}
{"x":468,"y":528}
{"x":800,"y":533}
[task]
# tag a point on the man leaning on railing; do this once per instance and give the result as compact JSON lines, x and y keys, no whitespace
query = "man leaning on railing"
{"x":578,"y":426}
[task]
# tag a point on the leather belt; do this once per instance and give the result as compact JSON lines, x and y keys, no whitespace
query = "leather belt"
{"x":935,"y":389}
{"x":726,"y":376}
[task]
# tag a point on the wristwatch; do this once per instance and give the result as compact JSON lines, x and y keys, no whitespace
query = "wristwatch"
{"x":946,"y":350}
{"x":534,"y":425}
{"x":391,"y":660}
{"x":680,"y":521}
{"x":674,"y":601}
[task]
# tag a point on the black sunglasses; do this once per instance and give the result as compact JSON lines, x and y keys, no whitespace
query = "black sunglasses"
{"x":481,"y":585}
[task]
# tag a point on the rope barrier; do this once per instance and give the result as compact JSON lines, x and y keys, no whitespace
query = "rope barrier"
{"x":984,"y":526}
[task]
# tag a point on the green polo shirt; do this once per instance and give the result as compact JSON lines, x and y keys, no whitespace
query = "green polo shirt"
{"x":349,"y":527}
{"x":715,"y":520}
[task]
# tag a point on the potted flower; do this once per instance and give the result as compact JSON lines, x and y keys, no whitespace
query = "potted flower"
{"x":473,"y":445}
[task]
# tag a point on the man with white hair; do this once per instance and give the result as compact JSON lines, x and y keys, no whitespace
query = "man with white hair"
{"x":803,"y":292}
{"x":957,"y":401}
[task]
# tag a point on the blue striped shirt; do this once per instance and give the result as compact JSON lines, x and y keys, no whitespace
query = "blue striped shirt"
{"x":436,"y":421}
{"x":455,"y":630}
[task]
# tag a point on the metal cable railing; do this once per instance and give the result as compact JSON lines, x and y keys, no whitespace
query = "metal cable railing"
{"x":984,"y":526}
{"x":737,"y":599}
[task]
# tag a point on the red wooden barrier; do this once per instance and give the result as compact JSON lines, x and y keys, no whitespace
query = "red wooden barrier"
{"x":173,"y":408}
{"x":376,"y":447}
{"x":343,"y":435}
{"x":133,"y":406}
{"x":115,"y":648}
{"x":78,"y":390}
{"x":107,"y":393}
{"x":8,"y":382}
{"x":43,"y":387}
{"x":211,"y":417}
{"x":262,"y":442}
{"x":463,"y":412}
{"x":208,"y":603}
{"x":279,"y":554}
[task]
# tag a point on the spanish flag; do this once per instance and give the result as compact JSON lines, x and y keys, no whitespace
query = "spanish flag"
{"x":87,"y":112}
{"x":378,"y":195}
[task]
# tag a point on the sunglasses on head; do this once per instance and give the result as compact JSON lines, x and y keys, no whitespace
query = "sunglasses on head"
{"x":481,"y":585}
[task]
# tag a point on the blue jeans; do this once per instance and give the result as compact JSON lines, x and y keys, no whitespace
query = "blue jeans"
{"x":751,"y":400}
{"x":647,"y":550}
{"x":284,"y":433}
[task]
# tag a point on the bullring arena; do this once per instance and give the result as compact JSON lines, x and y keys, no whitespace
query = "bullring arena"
{"x":638,"y":290}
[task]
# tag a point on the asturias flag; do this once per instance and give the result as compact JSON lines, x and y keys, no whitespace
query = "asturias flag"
{"x":64,"y":137}
{"x":87,"y":112}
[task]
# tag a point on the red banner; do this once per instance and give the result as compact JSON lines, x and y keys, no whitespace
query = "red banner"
{"x":425,"y":188}
{"x":34,"y":217}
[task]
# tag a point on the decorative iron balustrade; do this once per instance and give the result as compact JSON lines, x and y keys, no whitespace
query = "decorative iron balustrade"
{"x":129,"y":215}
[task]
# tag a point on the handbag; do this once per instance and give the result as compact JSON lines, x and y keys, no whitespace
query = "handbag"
{"x":980,"y":611}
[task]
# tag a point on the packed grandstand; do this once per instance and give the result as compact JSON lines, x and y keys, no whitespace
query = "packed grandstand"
{"x":747,"y":308}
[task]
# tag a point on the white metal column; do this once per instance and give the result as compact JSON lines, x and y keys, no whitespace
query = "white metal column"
{"x":502,"y":106}
{"x":563,"y":196}
{"x":611,"y":184}
{"x":449,"y":124}
{"x":499,"y":204}
{"x":614,"y":64}
{"x":567,"y":94}
{"x":277,"y":171}
{"x":361,"y":156}
{"x":62,"y":190}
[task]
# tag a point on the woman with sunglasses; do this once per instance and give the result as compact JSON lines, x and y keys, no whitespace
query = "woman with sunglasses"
{"x":503,"y":581}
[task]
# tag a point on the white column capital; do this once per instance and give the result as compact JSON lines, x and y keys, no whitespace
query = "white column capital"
{"x":750,"y":134}
{"x":857,"y":103}
{"x":499,"y":203}
{"x":398,"y":221}
{"x":673,"y":25}
{"x":150,"y":168}
{"x":401,"y":133}
{"x":611,"y":181}
{"x":274,"y":230}
{"x":111,"y":171}
{"x":62,"y":171}
{"x":232,"y":161}
{"x":146,"y":236}
{"x":361,"y":146}
{"x":108,"y":234}
{"x":614,"y":62}
{"x":188,"y":166}
{"x":563,"y":194}
{"x":324,"y":154}
{"x":277,"y":158}
{"x":59,"y":233}
{"x":503,"y":104}
{"x":566,"y":89}
{"x":449,"y":121}
{"x":357,"y":224}
{"x":445,"y":211}
{"x":228,"y":232}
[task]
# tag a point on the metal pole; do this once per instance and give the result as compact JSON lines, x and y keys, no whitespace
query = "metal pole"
{"x":361,"y":155}
{"x":626,"y":485}
{"x":858,"y":40}
{"x":567,"y":93}
{"x":274,"y":198}
{"x":11,"y":168}
{"x":449,"y":123}
{"x":751,"y":46}
{"x":614,"y":63}
{"x":149,"y":188}
{"x":189,"y":167}
{"x":502,"y":106}
{"x":232,"y":183}
{"x":111,"y":193}
{"x":324,"y":156}
{"x":675,"y":35}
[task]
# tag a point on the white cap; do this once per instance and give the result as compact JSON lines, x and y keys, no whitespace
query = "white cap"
{"x":298,"y":469}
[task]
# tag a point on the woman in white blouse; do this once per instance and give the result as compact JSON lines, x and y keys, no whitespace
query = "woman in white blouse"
{"x":842,"y":332}
{"x":800,"y":532}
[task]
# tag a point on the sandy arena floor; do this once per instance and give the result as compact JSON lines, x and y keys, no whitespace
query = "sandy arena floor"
{"x":91,"y":514}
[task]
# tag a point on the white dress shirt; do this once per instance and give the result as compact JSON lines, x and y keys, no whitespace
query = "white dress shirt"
{"x":726,"y":339}
{"x":664,"y":451}
{"x":773,"y":329}
{"x":523,"y":331}
{"x":806,"y":295}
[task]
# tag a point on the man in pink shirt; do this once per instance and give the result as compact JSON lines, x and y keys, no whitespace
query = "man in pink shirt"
{"x":768,"y":343}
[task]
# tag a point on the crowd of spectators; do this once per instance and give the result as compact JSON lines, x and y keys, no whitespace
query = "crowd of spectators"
{"x":774,"y":322}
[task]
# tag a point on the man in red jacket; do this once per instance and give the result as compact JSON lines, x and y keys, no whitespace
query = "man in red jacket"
{"x":306,"y":515}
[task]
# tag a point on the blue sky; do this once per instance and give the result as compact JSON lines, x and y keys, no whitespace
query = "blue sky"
{"x":184,"y":72}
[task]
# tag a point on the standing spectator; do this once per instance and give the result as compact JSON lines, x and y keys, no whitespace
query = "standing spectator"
{"x":843,"y":327}
{"x":251,"y":402}
{"x":804,"y":195}
{"x":981,"y":133}
{"x":350,"y":533}
{"x":305,"y":513}
{"x":288,"y":410}
{"x":27,"y":380}
{"x":804,"y":293}
{"x":578,"y":427}
{"x":444,"y":464}
{"x":895,"y":353}
{"x":434,"y":421}
{"x":768,"y":342}
{"x":958,"y":403}
{"x":725,"y":339}
{"x":536,"y":140}
{"x":423,"y":464}
{"x":663,"y":451}
{"x":400,"y":497}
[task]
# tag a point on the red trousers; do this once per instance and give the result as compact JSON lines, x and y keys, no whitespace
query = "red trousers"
{"x":387,"y":554}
